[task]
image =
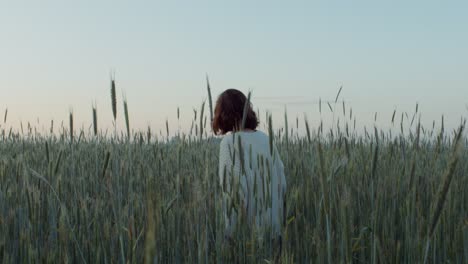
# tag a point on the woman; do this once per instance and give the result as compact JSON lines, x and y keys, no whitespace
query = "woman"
{"x":250,"y":173}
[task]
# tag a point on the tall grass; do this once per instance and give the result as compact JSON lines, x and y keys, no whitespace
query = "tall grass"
{"x":127,"y":119}
{"x":210,"y":101}
{"x":113,"y":98}
{"x":444,"y":188}
{"x":71,"y":126}
{"x":95,"y":122}
{"x":351,"y":198}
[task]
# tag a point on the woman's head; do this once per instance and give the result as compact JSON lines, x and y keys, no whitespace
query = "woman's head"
{"x":229,"y":110}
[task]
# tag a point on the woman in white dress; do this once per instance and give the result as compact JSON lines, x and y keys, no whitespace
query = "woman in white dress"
{"x":251,"y":172}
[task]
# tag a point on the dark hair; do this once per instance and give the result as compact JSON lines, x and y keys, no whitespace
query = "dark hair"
{"x":229,"y":110}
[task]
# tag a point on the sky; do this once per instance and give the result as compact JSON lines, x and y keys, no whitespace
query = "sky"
{"x":57,"y":56}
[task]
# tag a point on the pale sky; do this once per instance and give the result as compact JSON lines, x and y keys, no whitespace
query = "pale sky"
{"x":57,"y":55}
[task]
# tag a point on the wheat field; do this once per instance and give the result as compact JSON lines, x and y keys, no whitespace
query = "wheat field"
{"x":134,"y":197}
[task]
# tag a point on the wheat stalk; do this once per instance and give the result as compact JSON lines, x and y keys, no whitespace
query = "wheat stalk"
{"x":95,"y":124}
{"x":271,"y":135}
{"x":201,"y":119}
{"x":210,"y":102}
{"x":245,"y":111}
{"x":5,"y":118}
{"x":444,"y":188}
{"x":113,"y":98}
{"x":127,"y":121}
{"x":71,"y":126}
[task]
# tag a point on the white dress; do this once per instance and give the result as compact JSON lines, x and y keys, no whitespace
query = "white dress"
{"x":256,"y":174}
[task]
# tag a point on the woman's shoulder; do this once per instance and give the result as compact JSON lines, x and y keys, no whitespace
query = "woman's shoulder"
{"x":257,"y":135}
{"x":229,"y":137}
{"x":257,"y":138}
{"x":226,"y":138}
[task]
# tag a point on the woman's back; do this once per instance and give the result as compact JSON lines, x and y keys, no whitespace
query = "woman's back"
{"x":248,"y":167}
